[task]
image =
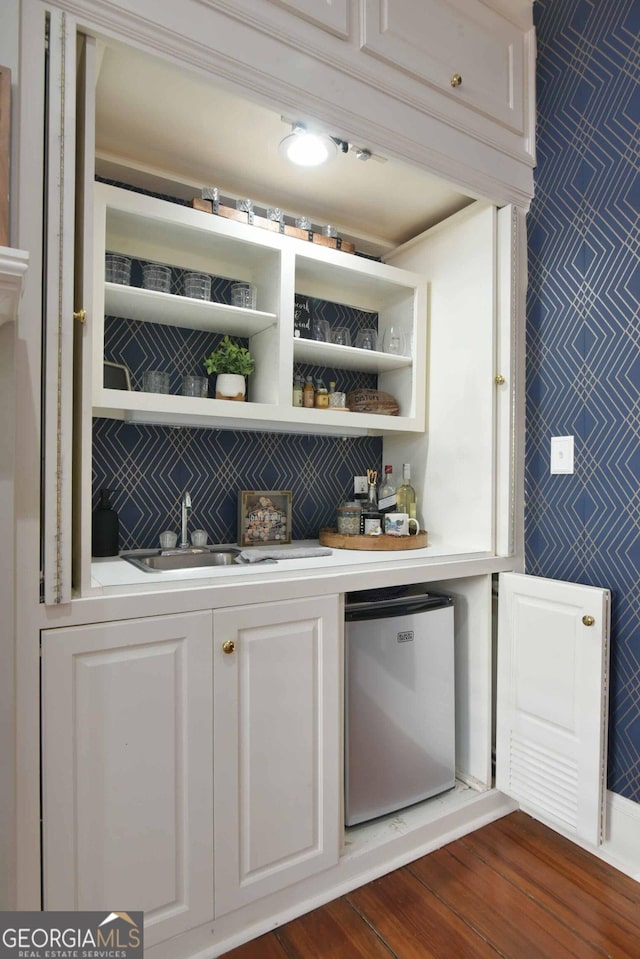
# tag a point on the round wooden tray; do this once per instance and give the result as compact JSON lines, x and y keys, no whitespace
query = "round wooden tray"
{"x":331,"y":537}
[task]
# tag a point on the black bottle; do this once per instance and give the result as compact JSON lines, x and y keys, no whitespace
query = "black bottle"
{"x":105,"y":528}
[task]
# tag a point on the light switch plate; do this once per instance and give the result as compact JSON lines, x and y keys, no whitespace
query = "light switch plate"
{"x":561,"y":454}
{"x":360,"y":484}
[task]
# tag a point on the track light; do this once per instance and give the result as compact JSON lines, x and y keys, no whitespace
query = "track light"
{"x":307,"y":149}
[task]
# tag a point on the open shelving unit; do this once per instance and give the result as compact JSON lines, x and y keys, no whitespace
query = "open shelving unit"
{"x":148,"y":228}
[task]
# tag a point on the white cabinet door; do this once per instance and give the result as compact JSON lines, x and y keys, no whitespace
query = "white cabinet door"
{"x":127,"y":770}
{"x":476,"y":58}
{"x":552,"y":700}
{"x":277,"y":695}
{"x":332,"y":15}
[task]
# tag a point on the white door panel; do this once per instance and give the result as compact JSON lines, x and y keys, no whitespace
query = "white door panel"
{"x":551,"y":700}
{"x":277,"y":747}
{"x":127,"y":770}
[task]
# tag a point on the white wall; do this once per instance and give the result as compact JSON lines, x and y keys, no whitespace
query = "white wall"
{"x":8,"y":58}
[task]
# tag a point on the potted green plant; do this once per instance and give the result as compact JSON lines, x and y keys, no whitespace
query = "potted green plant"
{"x":231,"y":363}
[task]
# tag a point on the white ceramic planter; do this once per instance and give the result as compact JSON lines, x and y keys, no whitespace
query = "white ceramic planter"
{"x":230,"y":386}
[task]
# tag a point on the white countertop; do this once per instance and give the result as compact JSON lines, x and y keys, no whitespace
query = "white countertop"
{"x":110,"y":573}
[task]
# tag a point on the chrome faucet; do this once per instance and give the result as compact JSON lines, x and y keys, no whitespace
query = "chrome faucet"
{"x":184,"y":516}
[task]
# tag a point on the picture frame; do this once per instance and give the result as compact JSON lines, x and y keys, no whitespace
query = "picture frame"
{"x":264,"y":517}
{"x":116,"y":376}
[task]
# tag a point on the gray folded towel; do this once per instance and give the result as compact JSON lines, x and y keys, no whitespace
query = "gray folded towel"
{"x":258,"y":554}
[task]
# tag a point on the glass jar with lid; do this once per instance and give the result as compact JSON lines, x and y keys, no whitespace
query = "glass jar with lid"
{"x":348,"y":518}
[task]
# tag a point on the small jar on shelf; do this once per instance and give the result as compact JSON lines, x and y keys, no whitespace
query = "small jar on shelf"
{"x":321,"y":399}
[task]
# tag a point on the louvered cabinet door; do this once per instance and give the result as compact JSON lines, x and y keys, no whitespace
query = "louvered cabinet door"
{"x":552,"y":701}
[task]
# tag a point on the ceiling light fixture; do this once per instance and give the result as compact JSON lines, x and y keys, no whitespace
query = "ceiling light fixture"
{"x":307,"y":149}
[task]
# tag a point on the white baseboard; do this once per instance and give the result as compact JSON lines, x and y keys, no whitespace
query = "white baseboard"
{"x":621,"y":847}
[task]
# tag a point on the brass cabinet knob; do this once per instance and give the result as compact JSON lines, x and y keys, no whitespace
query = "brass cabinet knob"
{"x":80,"y":315}
{"x":500,"y":380}
{"x":229,"y":646}
{"x":456,"y":80}
{"x":588,"y":620}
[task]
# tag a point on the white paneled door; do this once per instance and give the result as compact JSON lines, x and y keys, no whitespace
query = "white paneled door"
{"x":277,"y":689}
{"x":127,"y":770}
{"x":552,"y":700}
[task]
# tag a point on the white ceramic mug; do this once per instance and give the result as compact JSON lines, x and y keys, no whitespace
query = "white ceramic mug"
{"x":400,"y":524}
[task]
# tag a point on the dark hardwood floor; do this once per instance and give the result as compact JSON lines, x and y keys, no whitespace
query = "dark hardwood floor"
{"x":513,"y":889}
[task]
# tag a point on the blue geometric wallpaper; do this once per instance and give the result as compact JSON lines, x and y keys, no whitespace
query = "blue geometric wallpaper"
{"x":583,"y":330}
{"x":151,"y":467}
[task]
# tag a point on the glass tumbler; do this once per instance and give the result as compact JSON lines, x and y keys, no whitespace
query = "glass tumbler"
{"x":340,"y":336}
{"x":197,"y":286}
{"x":195,"y":386}
{"x":393,"y":341}
{"x":366,"y":339}
{"x":117,"y":269}
{"x":320,"y":329}
{"x":156,"y":278}
{"x":155,"y":381}
{"x":243,"y":294}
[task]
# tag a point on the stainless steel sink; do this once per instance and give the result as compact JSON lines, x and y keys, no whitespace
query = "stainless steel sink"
{"x":158,"y":561}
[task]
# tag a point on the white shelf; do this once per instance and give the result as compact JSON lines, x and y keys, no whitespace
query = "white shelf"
{"x":168,"y":309}
{"x":169,"y":410}
{"x":318,"y":353}
{"x":13,"y":265}
{"x":280,"y":266}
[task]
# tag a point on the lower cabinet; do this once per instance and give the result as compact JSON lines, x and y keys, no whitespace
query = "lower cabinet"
{"x":127,"y":772}
{"x":277,"y":743}
{"x":130,"y":712}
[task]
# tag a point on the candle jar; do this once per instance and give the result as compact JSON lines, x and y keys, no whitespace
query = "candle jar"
{"x":348,"y":519}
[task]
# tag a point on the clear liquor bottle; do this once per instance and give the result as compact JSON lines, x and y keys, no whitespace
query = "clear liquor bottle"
{"x":405,"y":494}
{"x":371,"y":517}
{"x":387,"y":500}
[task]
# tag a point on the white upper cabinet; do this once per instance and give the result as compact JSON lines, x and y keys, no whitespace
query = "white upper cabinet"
{"x":330,"y":15}
{"x":476,"y":58}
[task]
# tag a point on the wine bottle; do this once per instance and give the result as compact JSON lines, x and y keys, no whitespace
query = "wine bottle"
{"x":405,"y":494}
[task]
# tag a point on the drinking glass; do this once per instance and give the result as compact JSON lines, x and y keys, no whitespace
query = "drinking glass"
{"x":366,"y":339}
{"x":156,"y":278}
{"x":243,"y":294}
{"x":195,"y":385}
{"x":320,"y":329}
{"x":117,"y":269}
{"x":341,"y":336}
{"x":393,"y":341}
{"x":197,"y":286}
{"x":155,"y":381}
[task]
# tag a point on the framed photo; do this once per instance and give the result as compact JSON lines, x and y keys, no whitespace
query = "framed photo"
{"x":264,"y":517}
{"x":116,"y":376}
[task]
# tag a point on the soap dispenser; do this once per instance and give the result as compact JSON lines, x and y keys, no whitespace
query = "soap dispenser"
{"x":105,"y":527}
